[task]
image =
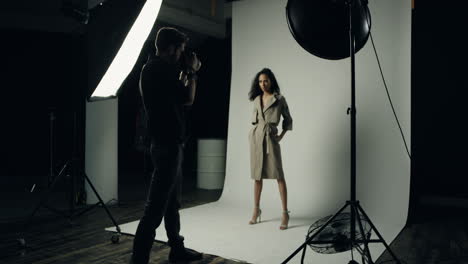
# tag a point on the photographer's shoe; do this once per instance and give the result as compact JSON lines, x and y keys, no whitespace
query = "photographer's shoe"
{"x":183,"y":255}
{"x":131,"y":260}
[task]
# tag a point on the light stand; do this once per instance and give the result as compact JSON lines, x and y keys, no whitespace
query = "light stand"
{"x":51,"y":146}
{"x":356,"y":210}
{"x":71,"y":169}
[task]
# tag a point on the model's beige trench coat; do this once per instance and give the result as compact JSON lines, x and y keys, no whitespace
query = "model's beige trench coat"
{"x":265,"y":152}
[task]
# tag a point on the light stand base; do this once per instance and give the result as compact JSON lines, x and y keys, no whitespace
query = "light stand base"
{"x":356,"y":213}
{"x":71,"y":214}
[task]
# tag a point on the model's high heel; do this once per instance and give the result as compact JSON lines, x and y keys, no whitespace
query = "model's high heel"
{"x":283,"y":225}
{"x":258,"y":218}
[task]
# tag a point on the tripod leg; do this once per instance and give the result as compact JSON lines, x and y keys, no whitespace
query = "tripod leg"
{"x":378,"y":234}
{"x":45,"y":196}
{"x":315,"y":234}
{"x":103,"y":204}
{"x":42,"y":200}
{"x":363,"y":236}
{"x":303,"y":254}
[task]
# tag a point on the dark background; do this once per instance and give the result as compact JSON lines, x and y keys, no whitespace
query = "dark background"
{"x":42,"y":73}
{"x":52,"y":75}
{"x":438,"y":108}
{"x":46,"y":72}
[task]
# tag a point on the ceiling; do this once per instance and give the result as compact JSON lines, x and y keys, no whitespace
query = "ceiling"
{"x":203,"y":16}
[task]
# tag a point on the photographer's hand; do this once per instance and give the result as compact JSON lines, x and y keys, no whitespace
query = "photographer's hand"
{"x":183,"y":77}
{"x":195,"y":62}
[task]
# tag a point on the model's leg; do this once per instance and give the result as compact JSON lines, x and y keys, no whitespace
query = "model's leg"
{"x":258,"y":185}
{"x":284,"y":203}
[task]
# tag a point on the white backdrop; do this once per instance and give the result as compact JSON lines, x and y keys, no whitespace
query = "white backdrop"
{"x":101,"y":150}
{"x":316,"y":154}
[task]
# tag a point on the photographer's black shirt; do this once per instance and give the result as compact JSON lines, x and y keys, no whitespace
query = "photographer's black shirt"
{"x":163,"y":98}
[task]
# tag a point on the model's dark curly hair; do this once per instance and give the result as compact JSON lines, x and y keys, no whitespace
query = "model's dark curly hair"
{"x":255,"y":88}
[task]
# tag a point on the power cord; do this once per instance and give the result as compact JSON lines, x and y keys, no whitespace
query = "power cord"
{"x":389,"y":98}
{"x":386,"y":89}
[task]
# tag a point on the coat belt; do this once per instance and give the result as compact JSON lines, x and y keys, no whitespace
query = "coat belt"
{"x":267,"y":129}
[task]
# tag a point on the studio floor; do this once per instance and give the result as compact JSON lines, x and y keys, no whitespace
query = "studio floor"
{"x":439,"y":236}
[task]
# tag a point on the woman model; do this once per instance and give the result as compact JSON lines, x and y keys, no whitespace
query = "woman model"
{"x":265,"y":152}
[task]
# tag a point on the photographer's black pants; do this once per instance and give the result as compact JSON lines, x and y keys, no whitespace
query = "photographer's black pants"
{"x":162,"y":201}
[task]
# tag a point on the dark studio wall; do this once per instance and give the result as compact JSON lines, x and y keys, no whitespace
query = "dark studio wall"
{"x":439,"y":92}
{"x":42,"y":78}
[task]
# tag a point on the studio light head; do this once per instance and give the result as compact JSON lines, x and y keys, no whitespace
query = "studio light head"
{"x":321,"y":27}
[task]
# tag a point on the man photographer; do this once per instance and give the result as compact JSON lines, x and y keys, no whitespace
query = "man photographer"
{"x":166,"y":88}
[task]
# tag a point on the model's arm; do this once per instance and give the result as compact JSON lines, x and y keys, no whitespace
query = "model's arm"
{"x":282,"y":134}
{"x":287,"y":119}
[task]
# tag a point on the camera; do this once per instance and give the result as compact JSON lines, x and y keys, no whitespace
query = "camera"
{"x":186,"y":60}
